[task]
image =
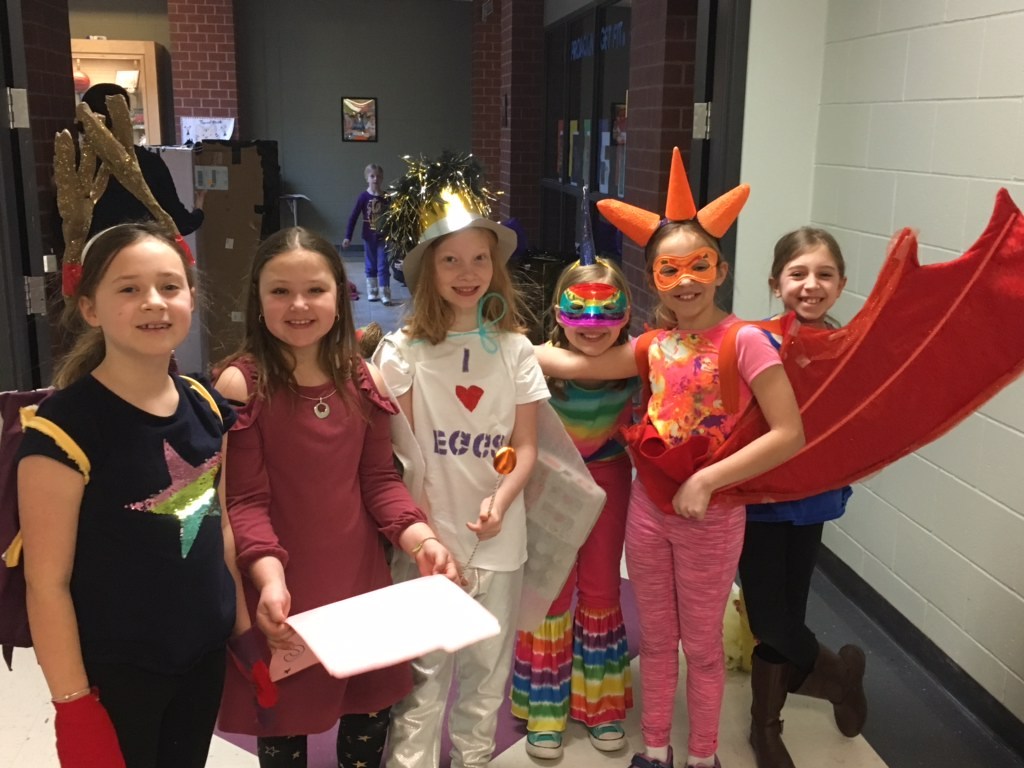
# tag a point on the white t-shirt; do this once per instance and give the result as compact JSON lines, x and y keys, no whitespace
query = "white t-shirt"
{"x":464,"y":406}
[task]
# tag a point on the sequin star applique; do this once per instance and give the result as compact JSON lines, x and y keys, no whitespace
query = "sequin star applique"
{"x":190,"y":497}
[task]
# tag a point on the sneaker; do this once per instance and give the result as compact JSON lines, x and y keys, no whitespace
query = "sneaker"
{"x":547,"y":745}
{"x":607,"y":737}
{"x":716,"y":765}
{"x":643,"y":761}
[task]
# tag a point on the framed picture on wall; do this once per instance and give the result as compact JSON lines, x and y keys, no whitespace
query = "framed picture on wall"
{"x":358,"y":119}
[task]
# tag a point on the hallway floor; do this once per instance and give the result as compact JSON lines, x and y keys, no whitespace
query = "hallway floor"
{"x":912,"y":722}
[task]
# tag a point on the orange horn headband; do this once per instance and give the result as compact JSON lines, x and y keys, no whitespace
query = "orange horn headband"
{"x":716,"y":217}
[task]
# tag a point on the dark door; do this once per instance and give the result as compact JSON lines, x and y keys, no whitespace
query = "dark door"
{"x":24,"y":338}
{"x":720,"y":78}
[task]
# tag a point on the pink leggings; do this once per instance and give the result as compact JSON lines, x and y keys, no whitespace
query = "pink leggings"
{"x":682,"y":572}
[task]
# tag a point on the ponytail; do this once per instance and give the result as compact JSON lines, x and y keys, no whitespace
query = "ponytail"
{"x":88,"y":352}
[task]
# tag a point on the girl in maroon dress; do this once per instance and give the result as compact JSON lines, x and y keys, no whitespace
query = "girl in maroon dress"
{"x":312,"y":494}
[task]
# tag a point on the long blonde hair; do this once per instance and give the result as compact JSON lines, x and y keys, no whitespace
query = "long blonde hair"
{"x":431,"y":316}
{"x":89,"y":347}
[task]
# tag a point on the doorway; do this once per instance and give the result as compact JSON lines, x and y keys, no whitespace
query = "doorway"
{"x":24,"y":337}
{"x":720,"y":79}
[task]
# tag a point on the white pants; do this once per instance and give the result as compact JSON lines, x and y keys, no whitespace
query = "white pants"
{"x":482,"y":672}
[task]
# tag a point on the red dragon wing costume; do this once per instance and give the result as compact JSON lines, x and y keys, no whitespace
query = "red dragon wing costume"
{"x":930,"y":345}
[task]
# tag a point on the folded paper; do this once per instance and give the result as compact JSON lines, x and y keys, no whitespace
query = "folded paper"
{"x":410,"y":619}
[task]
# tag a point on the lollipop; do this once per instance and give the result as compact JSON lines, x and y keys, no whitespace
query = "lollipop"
{"x":504,"y":463}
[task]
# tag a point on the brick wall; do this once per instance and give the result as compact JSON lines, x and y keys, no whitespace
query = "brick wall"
{"x":661,"y":70}
{"x":521,"y":108}
{"x":203,"y":59}
{"x":485,"y":132}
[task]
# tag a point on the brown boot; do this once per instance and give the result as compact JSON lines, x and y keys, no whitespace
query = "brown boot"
{"x":839,"y":678}
{"x":769,"y":684}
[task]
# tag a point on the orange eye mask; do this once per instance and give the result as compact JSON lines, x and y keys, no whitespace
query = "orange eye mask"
{"x":669,"y":270}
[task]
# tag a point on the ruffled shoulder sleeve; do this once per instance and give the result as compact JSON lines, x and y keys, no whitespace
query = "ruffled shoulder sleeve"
{"x":368,"y":388}
{"x":250,"y":411}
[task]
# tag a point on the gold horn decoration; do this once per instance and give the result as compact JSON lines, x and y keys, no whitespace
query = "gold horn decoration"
{"x":104,"y":153}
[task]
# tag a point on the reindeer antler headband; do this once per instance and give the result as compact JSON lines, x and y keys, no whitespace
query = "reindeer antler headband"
{"x":80,"y":185}
{"x":639,"y":225}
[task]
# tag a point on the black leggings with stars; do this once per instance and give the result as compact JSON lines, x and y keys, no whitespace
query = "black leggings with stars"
{"x":360,"y":744}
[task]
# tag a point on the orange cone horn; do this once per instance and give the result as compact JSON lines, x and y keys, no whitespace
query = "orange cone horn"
{"x":718,"y":215}
{"x":679,"y":206}
{"x":635,"y":223}
{"x":638,"y":225}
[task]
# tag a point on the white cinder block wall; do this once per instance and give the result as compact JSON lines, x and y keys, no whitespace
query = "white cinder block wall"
{"x":919,"y":120}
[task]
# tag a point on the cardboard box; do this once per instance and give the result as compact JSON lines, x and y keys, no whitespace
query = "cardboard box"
{"x":191,"y":354}
{"x":240,"y":211}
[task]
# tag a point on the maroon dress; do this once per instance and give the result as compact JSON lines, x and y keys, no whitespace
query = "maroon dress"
{"x":320,"y":495}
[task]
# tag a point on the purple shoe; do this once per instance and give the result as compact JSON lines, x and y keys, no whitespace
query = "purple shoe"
{"x":643,"y":761}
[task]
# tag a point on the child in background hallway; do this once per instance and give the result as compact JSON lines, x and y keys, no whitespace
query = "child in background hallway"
{"x":312,"y":492}
{"x":781,"y":545}
{"x":467,"y":381}
{"x":369,"y":205}
{"x":682,"y":546}
{"x":129,"y":560}
{"x":578,"y":665}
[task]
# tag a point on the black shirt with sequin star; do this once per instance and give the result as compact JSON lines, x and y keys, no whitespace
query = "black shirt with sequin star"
{"x":149,"y":585}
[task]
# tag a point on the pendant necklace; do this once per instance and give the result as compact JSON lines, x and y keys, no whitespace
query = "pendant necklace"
{"x":322,"y":410}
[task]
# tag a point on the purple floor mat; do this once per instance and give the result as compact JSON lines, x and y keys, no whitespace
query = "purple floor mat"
{"x":510,"y":730}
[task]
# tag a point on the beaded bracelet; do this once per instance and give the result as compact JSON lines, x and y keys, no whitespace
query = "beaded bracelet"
{"x":69,"y":696}
{"x":418,"y":547}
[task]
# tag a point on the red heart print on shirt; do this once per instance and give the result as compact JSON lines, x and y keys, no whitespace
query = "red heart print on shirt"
{"x":469,"y":396}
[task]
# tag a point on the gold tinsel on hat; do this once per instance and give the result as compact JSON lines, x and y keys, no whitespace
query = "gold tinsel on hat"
{"x":80,"y":185}
{"x":418,"y":197}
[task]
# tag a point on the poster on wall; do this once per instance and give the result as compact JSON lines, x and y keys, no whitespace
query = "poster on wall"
{"x":358,"y":119}
{"x":605,"y":158}
{"x":587,"y":141}
{"x":196,"y":129}
{"x":620,"y":178}
{"x":618,"y":123}
{"x":575,"y":153}
{"x":560,"y":151}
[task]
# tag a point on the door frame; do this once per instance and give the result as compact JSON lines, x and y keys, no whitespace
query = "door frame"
{"x":25,"y":339}
{"x":720,"y":77}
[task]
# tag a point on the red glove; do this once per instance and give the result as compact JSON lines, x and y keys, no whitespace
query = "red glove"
{"x":85,"y":735}
{"x":248,"y":652}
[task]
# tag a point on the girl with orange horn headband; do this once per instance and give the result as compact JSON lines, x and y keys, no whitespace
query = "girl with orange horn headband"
{"x":682,"y":546}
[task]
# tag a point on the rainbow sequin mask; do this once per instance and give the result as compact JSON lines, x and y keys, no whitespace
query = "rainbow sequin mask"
{"x":701,"y":266}
{"x":592,"y":305}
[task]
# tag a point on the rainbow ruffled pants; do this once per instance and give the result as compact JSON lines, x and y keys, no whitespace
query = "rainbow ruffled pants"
{"x":577,"y":664}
